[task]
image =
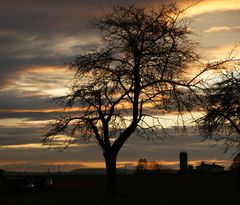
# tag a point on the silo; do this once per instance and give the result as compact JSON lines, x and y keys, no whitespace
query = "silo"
{"x":183,"y":161}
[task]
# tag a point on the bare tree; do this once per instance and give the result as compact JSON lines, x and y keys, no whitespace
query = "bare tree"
{"x":221,"y":120}
{"x":139,"y":68}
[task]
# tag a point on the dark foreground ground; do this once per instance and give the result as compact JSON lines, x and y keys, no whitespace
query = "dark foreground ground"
{"x":166,"y":190}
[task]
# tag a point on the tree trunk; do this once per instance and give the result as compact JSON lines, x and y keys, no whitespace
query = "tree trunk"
{"x":111,"y":171}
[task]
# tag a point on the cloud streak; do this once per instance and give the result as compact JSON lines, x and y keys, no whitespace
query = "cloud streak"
{"x":223,"y":29}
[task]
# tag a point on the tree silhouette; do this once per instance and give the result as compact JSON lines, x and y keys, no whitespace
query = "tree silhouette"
{"x":222,"y":117}
{"x":140,"y":67}
{"x":143,"y":165}
{"x":221,"y":120}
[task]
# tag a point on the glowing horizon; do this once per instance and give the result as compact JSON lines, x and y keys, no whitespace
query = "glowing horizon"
{"x":71,"y":165}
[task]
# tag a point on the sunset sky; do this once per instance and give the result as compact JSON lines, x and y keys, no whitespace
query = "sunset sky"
{"x":38,"y":36}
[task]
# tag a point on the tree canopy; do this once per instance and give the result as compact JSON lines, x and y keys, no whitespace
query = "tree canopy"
{"x":141,"y":66}
{"x":221,"y":120}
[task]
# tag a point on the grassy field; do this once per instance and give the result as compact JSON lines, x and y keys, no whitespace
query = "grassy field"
{"x":166,"y":190}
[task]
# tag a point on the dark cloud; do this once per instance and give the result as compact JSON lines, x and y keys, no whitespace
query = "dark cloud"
{"x":14,"y":100}
{"x":29,"y":30}
{"x":17,"y":136}
{"x":38,"y":52}
{"x":31,"y":115}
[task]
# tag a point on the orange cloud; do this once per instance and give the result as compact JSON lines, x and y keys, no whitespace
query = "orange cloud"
{"x":44,"y":69}
{"x":205,"y":6}
{"x":35,"y":69}
{"x":38,"y":146}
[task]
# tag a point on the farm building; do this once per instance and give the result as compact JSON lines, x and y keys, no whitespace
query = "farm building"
{"x":210,"y":167}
